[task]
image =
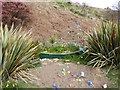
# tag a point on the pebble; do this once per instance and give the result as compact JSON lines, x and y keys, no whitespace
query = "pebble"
{"x":43,"y":59}
{"x":68,"y":72}
{"x":74,"y":75}
{"x":70,"y":85}
{"x":64,"y":70}
{"x":79,"y":80}
{"x":63,"y":73}
{"x":78,"y":63}
{"x":90,"y":83}
{"x":82,"y":74}
{"x":76,"y":79}
{"x":105,"y":86}
{"x":98,"y":75}
{"x":54,"y":85}
{"x":59,"y":76}
{"x":68,"y":66}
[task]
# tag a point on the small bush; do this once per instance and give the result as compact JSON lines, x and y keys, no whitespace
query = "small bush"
{"x":104,"y":45}
{"x":14,"y":12}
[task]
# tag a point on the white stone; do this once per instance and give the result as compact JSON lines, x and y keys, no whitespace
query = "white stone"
{"x":105,"y":86}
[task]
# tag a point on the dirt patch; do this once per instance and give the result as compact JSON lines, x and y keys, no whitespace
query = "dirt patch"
{"x":52,"y":72}
{"x":48,"y":20}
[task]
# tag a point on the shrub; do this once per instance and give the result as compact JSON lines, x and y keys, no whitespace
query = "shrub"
{"x":14,"y":12}
{"x":104,"y":45}
{"x":18,"y":50}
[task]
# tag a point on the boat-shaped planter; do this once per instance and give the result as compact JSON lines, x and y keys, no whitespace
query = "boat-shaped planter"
{"x":56,"y":55}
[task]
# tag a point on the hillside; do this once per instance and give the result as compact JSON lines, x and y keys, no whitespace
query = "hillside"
{"x":48,"y":20}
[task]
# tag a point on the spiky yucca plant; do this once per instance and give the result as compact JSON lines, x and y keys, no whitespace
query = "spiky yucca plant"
{"x":104,"y":45}
{"x":17,"y":51}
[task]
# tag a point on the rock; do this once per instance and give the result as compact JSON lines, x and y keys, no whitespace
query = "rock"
{"x":105,"y":86}
{"x":64,"y":70}
{"x":74,"y":75}
{"x":79,"y":80}
{"x":63,"y":73}
{"x":59,"y":76}
{"x":54,"y":85}
{"x":82,"y":74}
{"x":68,"y":72}
{"x":68,"y":66}
{"x":78,"y":63}
{"x":90,"y":83}
{"x":70,"y":85}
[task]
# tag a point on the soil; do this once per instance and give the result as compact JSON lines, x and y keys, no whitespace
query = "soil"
{"x":52,"y":72}
{"x":48,"y":19}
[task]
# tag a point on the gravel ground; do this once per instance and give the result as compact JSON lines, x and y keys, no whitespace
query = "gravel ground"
{"x":57,"y":73}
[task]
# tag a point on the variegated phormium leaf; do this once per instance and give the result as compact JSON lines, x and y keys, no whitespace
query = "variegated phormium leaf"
{"x":18,"y":50}
{"x":104,"y":45}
